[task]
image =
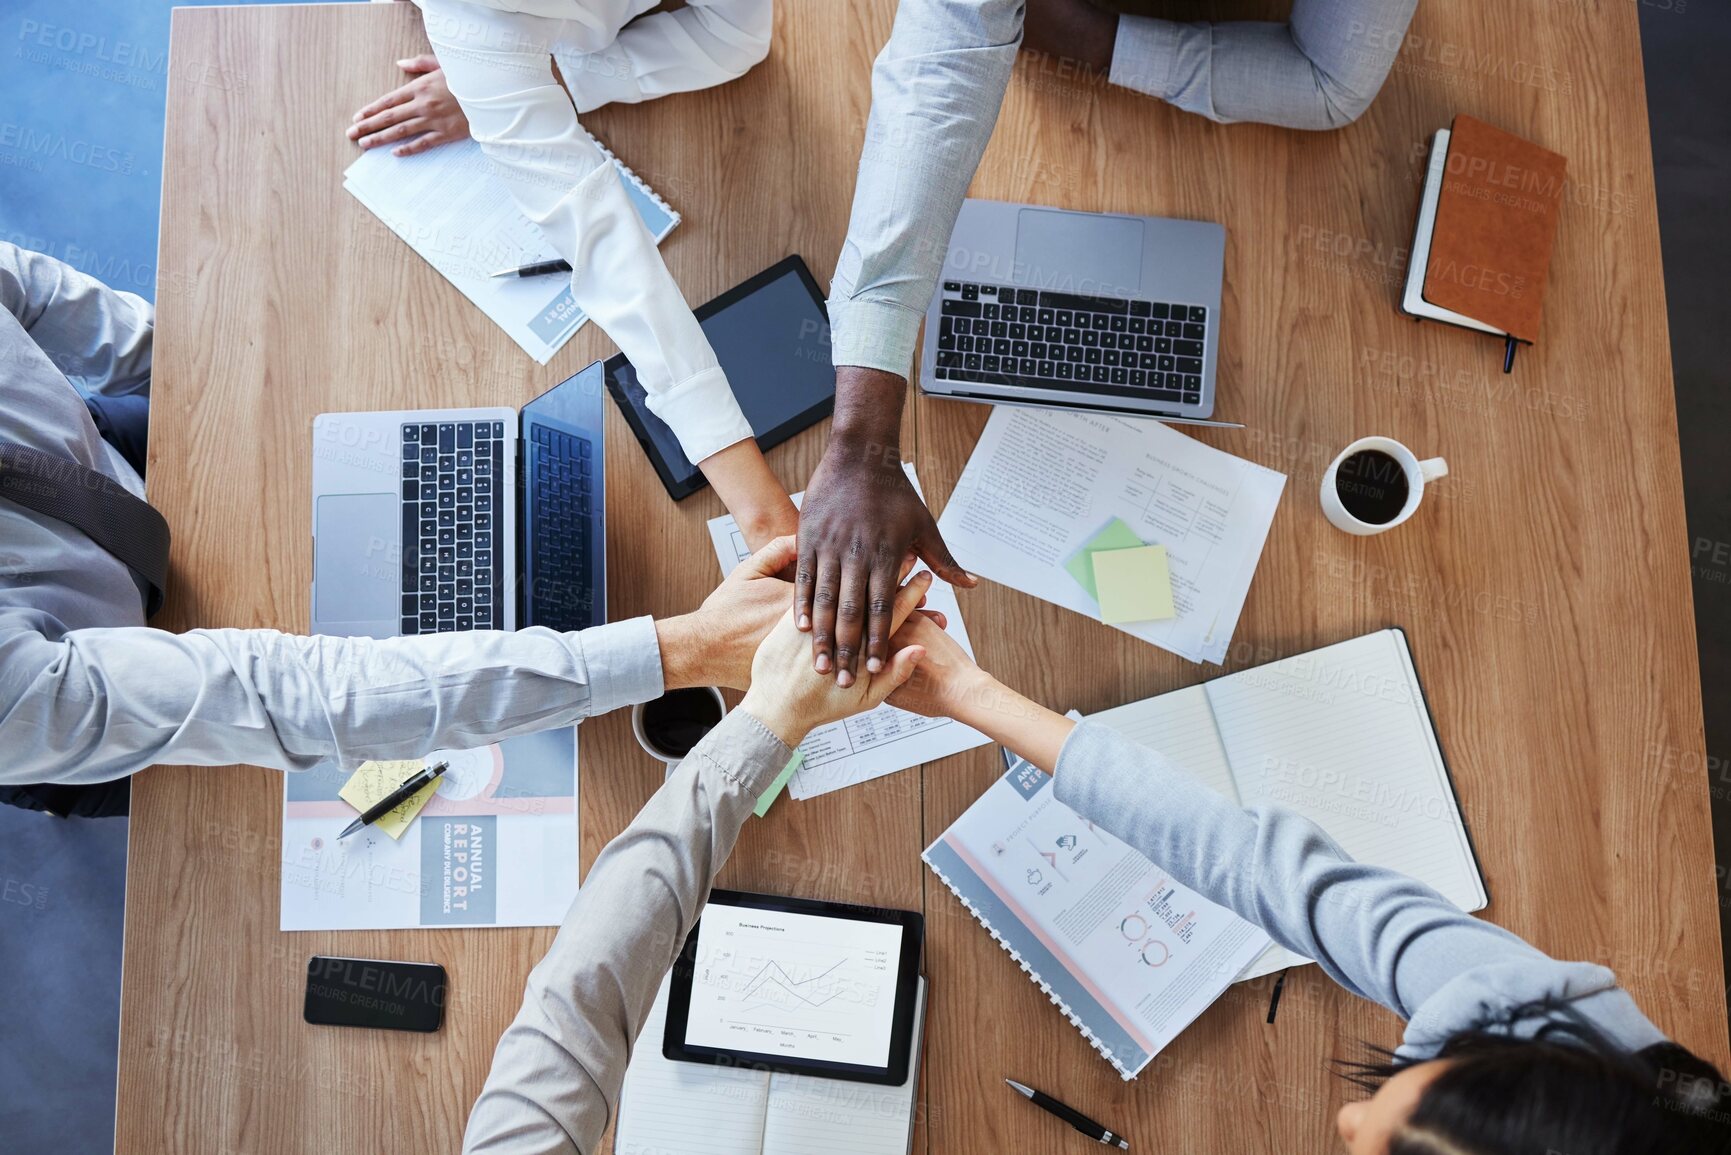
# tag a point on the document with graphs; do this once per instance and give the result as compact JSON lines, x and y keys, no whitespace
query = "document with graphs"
{"x":1342,"y":735}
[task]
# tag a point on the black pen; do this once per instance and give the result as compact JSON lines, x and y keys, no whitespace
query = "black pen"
{"x":394,"y":799}
{"x":1071,"y":1116}
{"x":537,"y":269}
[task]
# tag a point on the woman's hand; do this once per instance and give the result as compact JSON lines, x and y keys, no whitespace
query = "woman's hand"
{"x":948,"y":683}
{"x":792,"y":699}
{"x":423,"y":108}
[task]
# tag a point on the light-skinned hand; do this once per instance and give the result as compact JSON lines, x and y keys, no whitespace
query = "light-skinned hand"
{"x":423,"y":109}
{"x":792,"y":699}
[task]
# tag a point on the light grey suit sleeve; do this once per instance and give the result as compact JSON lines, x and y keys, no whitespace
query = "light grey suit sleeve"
{"x":1378,"y":933}
{"x":1319,"y":71}
{"x":558,"y":1069}
{"x":936,"y":88}
{"x":98,"y":704}
{"x":98,"y":337}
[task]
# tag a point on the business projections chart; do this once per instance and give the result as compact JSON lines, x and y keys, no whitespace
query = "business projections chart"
{"x":779,"y":983}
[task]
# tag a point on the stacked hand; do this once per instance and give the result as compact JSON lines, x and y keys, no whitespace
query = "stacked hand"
{"x":792,"y":699}
{"x":714,"y":645}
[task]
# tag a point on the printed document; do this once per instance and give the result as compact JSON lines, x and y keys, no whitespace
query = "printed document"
{"x":1041,"y":485}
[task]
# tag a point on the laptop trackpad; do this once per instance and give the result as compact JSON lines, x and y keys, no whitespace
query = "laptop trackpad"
{"x":357,"y":561}
{"x":1079,"y":253}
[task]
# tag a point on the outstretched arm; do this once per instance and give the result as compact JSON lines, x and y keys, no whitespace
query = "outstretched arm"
{"x":558,"y":1069}
{"x":1377,"y":932}
{"x":936,"y":88}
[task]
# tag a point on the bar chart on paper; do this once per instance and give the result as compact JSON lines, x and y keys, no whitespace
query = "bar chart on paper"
{"x":772,"y":981}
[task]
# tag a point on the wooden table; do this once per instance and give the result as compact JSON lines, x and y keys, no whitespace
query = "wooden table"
{"x":1545,"y":591}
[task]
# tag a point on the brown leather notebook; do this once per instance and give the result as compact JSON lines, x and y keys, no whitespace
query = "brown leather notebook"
{"x":1496,"y":222}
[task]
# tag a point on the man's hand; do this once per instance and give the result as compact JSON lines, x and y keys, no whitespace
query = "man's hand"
{"x":714,"y":644}
{"x":423,"y":108}
{"x":860,"y":518}
{"x":791,"y":699}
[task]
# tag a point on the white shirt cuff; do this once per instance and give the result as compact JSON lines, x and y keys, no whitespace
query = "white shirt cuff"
{"x":873,"y":334}
{"x":624,"y":661}
{"x":596,"y":79}
{"x":703,"y":414}
{"x":1142,"y":55}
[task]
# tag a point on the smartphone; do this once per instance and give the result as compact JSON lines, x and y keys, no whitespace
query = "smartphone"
{"x":367,"y":992}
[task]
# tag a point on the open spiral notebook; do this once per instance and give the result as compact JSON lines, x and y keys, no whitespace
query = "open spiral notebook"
{"x":1342,"y":735}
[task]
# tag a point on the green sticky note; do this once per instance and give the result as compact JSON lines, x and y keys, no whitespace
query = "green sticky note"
{"x":1116,"y":535}
{"x":774,"y":791}
{"x":1135,"y":584}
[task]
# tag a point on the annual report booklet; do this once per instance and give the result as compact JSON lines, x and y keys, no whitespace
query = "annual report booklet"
{"x":496,"y":845}
{"x":1342,"y":735}
{"x":700,"y":1109}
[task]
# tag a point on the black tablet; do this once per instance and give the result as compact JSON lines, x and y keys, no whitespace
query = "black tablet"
{"x":790,"y":984}
{"x":771,"y":336}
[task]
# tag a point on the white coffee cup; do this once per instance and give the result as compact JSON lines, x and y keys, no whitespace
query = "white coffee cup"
{"x":643,"y":737}
{"x":1417,"y":474}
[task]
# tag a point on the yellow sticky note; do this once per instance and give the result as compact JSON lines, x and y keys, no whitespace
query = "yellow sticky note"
{"x":374,"y":780}
{"x":1135,"y":584}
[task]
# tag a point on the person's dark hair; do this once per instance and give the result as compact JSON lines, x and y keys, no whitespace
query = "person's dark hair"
{"x":1566,"y":1089}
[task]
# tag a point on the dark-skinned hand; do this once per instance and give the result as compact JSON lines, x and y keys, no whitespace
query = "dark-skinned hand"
{"x":860,"y":519}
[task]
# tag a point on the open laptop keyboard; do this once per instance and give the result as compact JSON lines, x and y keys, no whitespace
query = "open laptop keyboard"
{"x":999,"y":335}
{"x":453,"y":513}
{"x":560,"y":477}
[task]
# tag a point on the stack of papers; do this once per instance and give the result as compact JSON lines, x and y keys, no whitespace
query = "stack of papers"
{"x":451,"y":207}
{"x":880,"y":741}
{"x":1037,"y":506}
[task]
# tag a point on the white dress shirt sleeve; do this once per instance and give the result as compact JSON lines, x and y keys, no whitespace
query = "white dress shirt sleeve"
{"x":936,"y":88}
{"x":706,"y":43}
{"x":500,"y":68}
{"x":98,"y":704}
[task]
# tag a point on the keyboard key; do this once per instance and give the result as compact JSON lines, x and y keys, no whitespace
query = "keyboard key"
{"x":1139,"y":309}
{"x":1174,"y":328}
{"x":1044,"y":316}
{"x":1099,"y":322}
{"x":968,"y":308}
{"x":1163,"y":344}
{"x":1138,"y":325}
{"x":1198,"y":314}
{"x":1195,"y":332}
{"x":1187,"y":348}
{"x":1091,"y":304}
{"x":1158,"y":310}
{"x":1001,"y":347}
{"x":1000,"y":329}
{"x":989,"y":363}
{"x":952,"y":286}
{"x":989,"y":312}
{"x":970,"y":292}
{"x":447,"y":438}
{"x":465,"y":436}
{"x":1189,"y":365}
{"x":1064,"y":319}
{"x":1120,"y":324}
{"x":1120,"y":376}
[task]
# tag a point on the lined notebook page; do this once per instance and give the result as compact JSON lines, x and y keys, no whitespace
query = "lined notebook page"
{"x":840,"y":1118}
{"x":1341,"y":736}
{"x":1181,"y":726}
{"x":686,"y":1107}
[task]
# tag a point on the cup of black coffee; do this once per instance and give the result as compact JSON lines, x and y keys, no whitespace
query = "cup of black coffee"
{"x":669,"y":726}
{"x":1375,"y":484}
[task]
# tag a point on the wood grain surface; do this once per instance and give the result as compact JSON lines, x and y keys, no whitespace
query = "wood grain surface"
{"x":1544,"y":587}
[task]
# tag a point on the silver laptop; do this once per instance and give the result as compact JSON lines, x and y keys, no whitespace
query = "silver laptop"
{"x":1076,"y":310}
{"x":433,"y":521}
